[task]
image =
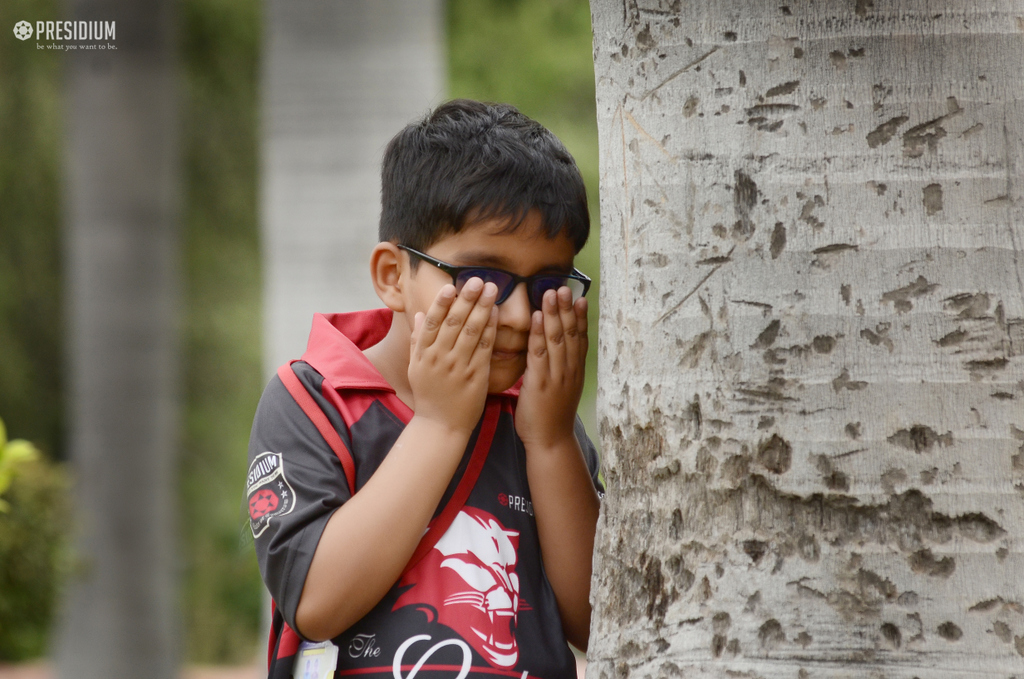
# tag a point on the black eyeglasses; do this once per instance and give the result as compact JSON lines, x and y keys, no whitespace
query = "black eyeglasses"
{"x":506,"y":281}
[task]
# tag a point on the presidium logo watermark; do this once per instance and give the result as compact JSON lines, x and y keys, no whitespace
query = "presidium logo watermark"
{"x":69,"y":35}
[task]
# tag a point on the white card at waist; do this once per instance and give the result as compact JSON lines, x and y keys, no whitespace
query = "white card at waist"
{"x":315,"y":661}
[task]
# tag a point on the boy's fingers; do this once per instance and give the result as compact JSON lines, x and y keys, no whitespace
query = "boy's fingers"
{"x":554,"y":334}
{"x":435,"y":316}
{"x":458,"y":313}
{"x":477,"y":321}
{"x":537,"y":350}
{"x":570,"y":327}
{"x":482,"y":355}
{"x":580,"y":307}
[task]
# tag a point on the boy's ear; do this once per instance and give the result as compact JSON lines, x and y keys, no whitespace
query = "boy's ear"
{"x":388,"y":271}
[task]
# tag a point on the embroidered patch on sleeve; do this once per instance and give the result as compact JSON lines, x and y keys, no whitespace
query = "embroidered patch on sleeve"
{"x":270,"y":494}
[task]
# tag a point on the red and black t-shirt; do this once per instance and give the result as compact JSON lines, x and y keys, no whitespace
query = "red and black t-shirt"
{"x":475,"y":601}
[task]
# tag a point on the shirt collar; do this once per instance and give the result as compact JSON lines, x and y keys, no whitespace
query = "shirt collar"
{"x":336,"y":345}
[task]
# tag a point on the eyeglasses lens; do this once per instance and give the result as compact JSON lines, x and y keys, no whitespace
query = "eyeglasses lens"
{"x":502,"y":281}
{"x":541,"y":285}
{"x":506,"y":284}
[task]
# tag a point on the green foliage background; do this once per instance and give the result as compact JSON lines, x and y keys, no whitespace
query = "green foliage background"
{"x":535,"y":54}
{"x":222,"y":600}
{"x":30,"y":297}
{"x":33,"y":557}
{"x":32,"y":531}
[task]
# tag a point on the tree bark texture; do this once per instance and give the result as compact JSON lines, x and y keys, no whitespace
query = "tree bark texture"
{"x":812,"y":339}
{"x":121,"y":274}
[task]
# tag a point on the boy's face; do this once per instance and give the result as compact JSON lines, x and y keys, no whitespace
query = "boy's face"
{"x":525,"y":251}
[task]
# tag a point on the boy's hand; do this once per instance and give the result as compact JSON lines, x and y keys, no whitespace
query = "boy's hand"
{"x":450,"y":356}
{"x":555,"y":367}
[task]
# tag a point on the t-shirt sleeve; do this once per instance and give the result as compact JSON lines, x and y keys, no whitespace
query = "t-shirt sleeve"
{"x":590,"y":455}
{"x":294,"y":484}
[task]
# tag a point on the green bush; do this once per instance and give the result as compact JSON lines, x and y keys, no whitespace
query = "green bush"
{"x":33,"y":540}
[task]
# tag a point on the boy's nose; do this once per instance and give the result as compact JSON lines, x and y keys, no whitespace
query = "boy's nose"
{"x":516,"y":311}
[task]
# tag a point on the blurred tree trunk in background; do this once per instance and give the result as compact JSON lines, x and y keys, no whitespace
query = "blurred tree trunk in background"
{"x":339,"y":80}
{"x":121,"y":261}
{"x":812,"y":339}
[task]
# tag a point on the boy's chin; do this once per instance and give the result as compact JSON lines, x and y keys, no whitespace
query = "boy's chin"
{"x":503,"y":378}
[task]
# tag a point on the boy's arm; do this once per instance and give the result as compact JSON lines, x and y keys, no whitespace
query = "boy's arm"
{"x":566,"y":506}
{"x":368,"y":541}
{"x":564,"y":499}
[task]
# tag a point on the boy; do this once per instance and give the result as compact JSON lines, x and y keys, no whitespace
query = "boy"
{"x":420,"y":489}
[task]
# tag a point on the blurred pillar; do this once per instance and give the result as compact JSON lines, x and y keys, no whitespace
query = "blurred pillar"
{"x":121,"y":264}
{"x":340,"y":79}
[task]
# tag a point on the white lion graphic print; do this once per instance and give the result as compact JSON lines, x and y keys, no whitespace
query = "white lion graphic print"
{"x":472,"y":584}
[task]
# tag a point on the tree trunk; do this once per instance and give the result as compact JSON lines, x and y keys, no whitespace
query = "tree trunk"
{"x":812,"y":339}
{"x":121,"y":254}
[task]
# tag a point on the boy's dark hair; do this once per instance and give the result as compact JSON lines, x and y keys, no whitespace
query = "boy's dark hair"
{"x":469,"y":160}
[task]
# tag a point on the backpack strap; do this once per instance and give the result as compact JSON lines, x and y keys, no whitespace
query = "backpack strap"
{"x":320,"y":421}
{"x":439,"y":525}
